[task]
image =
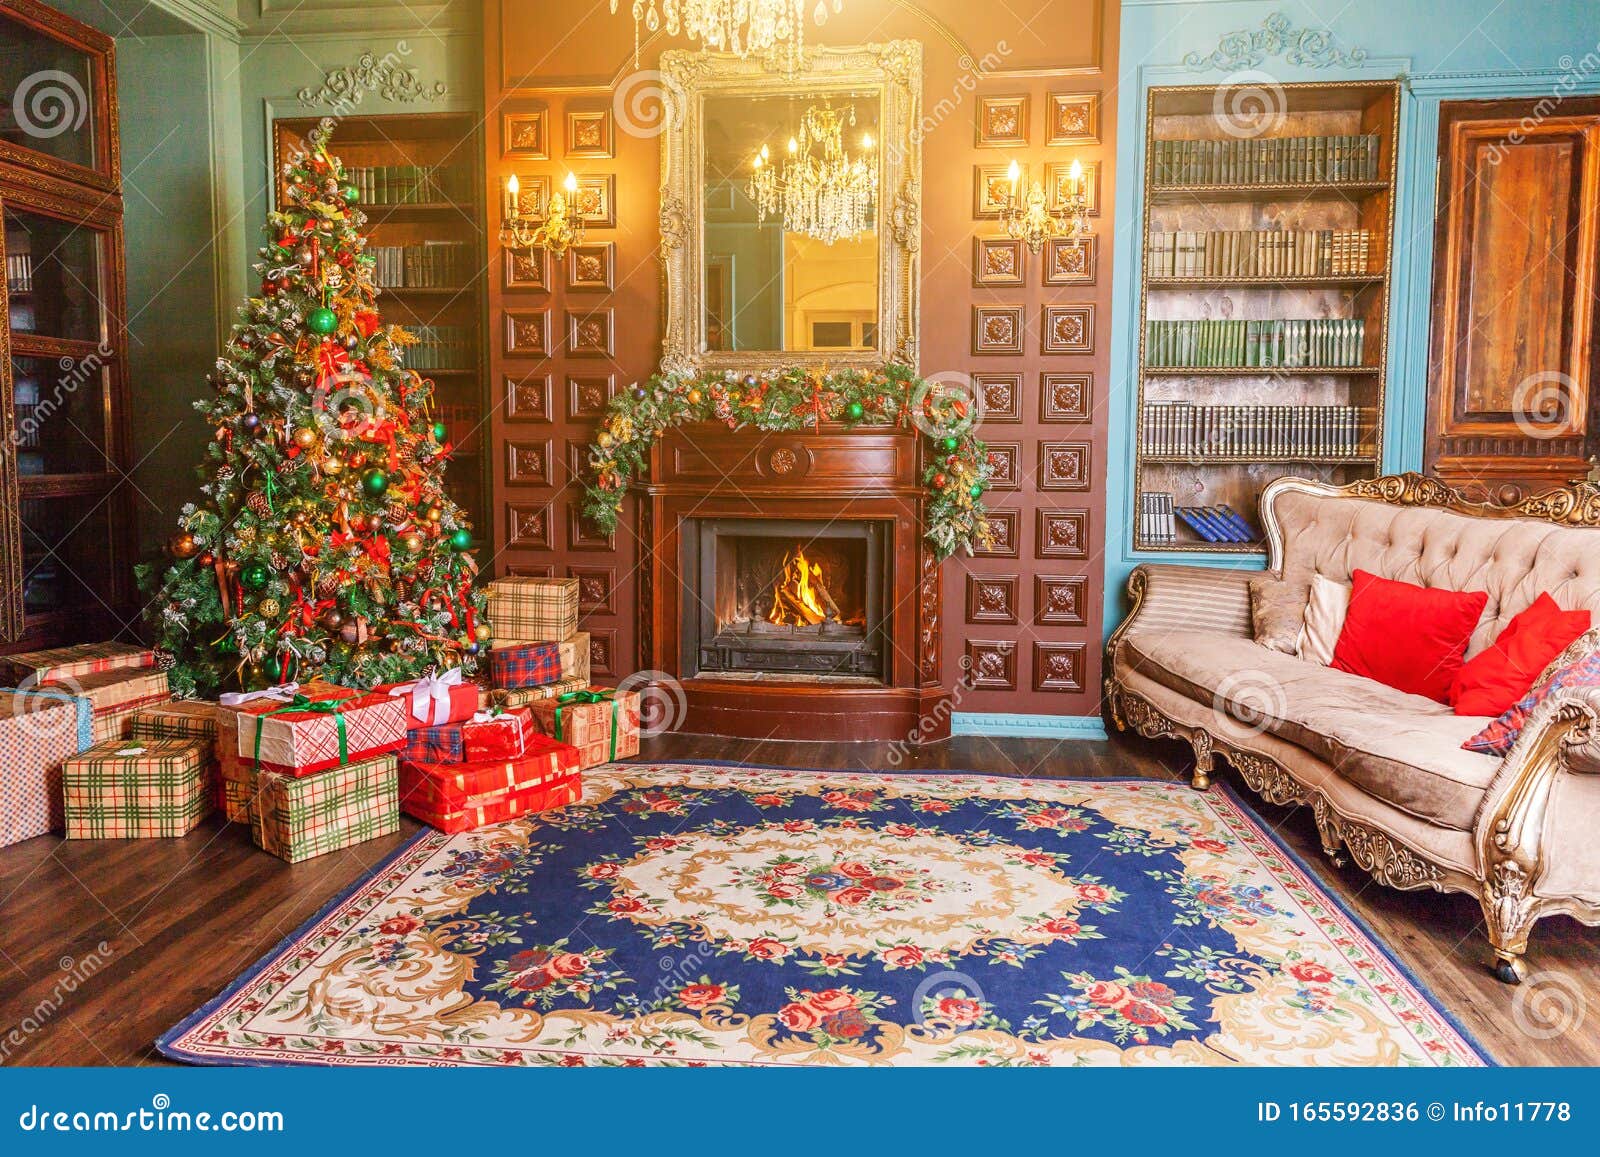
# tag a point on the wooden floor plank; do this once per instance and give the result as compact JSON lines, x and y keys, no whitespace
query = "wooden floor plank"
{"x":181,"y":919}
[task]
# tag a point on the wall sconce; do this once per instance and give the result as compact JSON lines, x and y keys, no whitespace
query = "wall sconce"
{"x":1030,"y":218}
{"x":561,"y":228}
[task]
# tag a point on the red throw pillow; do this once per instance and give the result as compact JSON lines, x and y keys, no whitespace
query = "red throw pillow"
{"x":1489,"y":683}
{"x":1407,"y":637}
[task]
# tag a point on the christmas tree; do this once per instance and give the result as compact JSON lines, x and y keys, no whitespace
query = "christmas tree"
{"x":325,"y":545}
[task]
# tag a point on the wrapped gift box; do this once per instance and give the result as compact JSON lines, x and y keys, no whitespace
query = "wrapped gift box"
{"x":522,"y":696}
{"x":236,"y":786}
{"x":38,"y":731}
{"x":536,"y":610}
{"x":33,"y":667}
{"x":574,"y":655}
{"x":298,"y":817}
{"x":461,"y":796}
{"x":322,"y":727}
{"x":128,"y":789}
{"x":114,"y":696}
{"x":179,"y":719}
{"x":435,"y":702}
{"x":525,"y":665}
{"x":492,"y":735}
{"x":603,"y":724}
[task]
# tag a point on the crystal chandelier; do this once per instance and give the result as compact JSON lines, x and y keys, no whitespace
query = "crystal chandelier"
{"x":823,"y":191}
{"x":737,"y":26}
{"x":1029,"y":219}
{"x":560,"y":229}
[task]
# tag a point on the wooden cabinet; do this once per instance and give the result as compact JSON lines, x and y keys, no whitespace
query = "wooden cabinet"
{"x":65,"y":515}
{"x":1515,"y":294}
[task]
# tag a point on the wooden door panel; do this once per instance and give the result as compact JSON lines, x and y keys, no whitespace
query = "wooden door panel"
{"x":1510,"y":397}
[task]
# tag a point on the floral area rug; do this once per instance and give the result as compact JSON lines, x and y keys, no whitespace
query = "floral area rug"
{"x":696,"y":914}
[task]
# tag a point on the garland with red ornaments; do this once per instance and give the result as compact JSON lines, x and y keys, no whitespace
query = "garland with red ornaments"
{"x":956,"y":463}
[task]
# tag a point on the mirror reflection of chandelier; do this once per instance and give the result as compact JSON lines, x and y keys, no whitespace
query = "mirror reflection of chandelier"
{"x":823,"y":191}
{"x":737,"y":26}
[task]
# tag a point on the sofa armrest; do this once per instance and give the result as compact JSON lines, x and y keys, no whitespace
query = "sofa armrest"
{"x":1173,"y":597}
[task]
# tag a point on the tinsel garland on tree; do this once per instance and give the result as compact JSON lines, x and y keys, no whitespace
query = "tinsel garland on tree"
{"x":326,"y":545}
{"x":956,"y":465}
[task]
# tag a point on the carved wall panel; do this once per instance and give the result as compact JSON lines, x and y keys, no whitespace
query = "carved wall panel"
{"x":992,"y":664}
{"x":992,"y":598}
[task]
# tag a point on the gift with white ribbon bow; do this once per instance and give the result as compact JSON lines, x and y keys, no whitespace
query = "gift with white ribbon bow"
{"x":438,"y":699}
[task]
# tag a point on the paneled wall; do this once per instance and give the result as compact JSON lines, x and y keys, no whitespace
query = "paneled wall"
{"x":1026,"y":615}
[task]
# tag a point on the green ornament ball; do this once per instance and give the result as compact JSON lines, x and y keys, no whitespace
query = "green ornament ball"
{"x":461,"y":539}
{"x":273,"y":667}
{"x":439,"y":432}
{"x":855,"y":410}
{"x":951,"y":443}
{"x":351,"y":193}
{"x":975,"y":490}
{"x":322,"y":320}
{"x":375,"y":482}
{"x":254,"y":577}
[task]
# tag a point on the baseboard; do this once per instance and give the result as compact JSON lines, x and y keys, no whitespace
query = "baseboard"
{"x":1000,"y":723}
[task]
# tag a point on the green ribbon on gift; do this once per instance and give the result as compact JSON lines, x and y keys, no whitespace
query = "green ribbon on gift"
{"x":316,"y":707}
{"x":585,"y":697}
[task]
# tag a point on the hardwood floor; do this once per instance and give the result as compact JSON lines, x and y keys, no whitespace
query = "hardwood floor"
{"x":105,"y":945}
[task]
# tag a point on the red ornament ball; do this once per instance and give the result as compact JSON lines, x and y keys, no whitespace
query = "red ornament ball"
{"x":939,"y":481}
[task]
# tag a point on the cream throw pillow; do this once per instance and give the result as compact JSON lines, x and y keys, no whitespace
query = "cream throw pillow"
{"x":1325,"y":613}
{"x":1277,"y":611}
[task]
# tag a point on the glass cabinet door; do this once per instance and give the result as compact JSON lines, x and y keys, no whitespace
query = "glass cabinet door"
{"x":55,"y":93}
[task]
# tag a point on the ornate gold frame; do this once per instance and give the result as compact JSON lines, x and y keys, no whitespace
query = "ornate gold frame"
{"x":1509,"y":835}
{"x":894,"y":71}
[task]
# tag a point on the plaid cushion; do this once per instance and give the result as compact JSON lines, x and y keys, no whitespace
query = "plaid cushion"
{"x":298,"y":817}
{"x":1501,"y":735}
{"x":534,"y":609}
{"x":131,"y":790}
{"x":38,"y":730}
{"x":73,"y":662}
{"x":527,"y":665}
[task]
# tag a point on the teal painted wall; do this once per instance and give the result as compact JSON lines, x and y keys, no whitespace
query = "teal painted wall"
{"x":1446,"y":49}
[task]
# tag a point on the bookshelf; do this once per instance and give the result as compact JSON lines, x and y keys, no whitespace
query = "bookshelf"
{"x":419,"y":177}
{"x":1264,"y":302}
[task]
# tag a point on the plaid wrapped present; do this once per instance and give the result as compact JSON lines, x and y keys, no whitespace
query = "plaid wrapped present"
{"x":136,"y":790}
{"x":522,"y":696}
{"x":38,"y":730}
{"x":602,"y":723}
{"x":298,"y":817}
{"x":491,"y":735}
{"x":73,"y":662}
{"x":323,"y":726}
{"x":574,"y":654}
{"x":525,"y":665}
{"x":114,"y":696}
{"x":236,"y":786}
{"x":437,"y":699}
{"x":536,"y":610}
{"x":467,"y":795}
{"x":181,"y":718}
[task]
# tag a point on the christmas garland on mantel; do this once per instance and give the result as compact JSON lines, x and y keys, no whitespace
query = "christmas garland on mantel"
{"x":956,"y":466}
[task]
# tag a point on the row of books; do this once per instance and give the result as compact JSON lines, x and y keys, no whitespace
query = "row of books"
{"x":1260,"y":253}
{"x":1267,"y":161}
{"x":1286,"y":343}
{"x":440,"y":347}
{"x":1183,"y":429}
{"x":410,"y":184}
{"x":431,"y":265}
{"x":19,"y":272}
{"x":1159,"y":517}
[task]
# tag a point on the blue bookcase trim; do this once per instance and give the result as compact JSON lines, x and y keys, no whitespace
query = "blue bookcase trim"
{"x":1001,"y":723}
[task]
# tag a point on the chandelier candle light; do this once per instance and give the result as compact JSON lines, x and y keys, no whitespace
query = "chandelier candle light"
{"x":737,"y":26}
{"x":561,"y":228}
{"x":1030,"y":219}
{"x":823,"y":192}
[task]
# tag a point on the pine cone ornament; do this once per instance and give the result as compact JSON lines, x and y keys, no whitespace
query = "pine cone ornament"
{"x":224,"y":473}
{"x":166,"y":660}
{"x":328,"y":585}
{"x":256,"y":500}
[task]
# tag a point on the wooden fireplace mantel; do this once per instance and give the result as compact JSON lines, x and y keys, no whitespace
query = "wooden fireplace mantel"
{"x":709,"y":471}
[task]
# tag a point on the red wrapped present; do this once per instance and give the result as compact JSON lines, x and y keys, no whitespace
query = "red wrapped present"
{"x":434,"y":744}
{"x":436,"y":700}
{"x":575,"y":662}
{"x":498,"y":809}
{"x":321,"y":727}
{"x":602,"y":723}
{"x":464,"y":795}
{"x":58,"y":663}
{"x":38,"y":731}
{"x":498,"y":735}
{"x":525,"y":665}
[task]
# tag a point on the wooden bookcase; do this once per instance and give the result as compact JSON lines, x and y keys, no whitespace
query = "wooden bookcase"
{"x":448,"y":297}
{"x":1229,"y":457}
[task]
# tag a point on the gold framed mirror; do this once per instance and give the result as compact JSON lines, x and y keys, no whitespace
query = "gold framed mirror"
{"x":791,"y":208}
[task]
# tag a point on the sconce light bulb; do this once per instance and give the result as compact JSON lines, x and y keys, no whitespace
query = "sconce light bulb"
{"x":794,"y":145}
{"x":1077,"y":170}
{"x":866,"y":140}
{"x":570,"y":184}
{"x":1013,"y":172}
{"x":764,"y":153}
{"x":513,"y":186}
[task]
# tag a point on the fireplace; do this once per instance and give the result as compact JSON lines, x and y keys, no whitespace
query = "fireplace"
{"x":784,"y":596}
{"x":787,"y":586}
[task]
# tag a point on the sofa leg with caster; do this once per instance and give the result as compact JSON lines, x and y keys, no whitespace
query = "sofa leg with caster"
{"x":1204,"y":760}
{"x":1509,"y":967}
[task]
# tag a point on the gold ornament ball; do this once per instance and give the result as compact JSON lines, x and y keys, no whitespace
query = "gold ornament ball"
{"x":434,"y":514}
{"x":305,"y":437}
{"x":413,"y":542}
{"x":605,"y":439}
{"x":374,"y":522}
{"x":331,"y":465}
{"x":483,"y":632}
{"x":268,"y":608}
{"x":694,"y":397}
{"x":183,"y":546}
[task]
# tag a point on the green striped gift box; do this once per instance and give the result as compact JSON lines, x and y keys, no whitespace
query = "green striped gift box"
{"x":298,"y":817}
{"x":533,"y":610}
{"x":126,"y":789}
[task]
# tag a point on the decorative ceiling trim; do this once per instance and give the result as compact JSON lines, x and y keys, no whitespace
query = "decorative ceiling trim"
{"x":388,"y":77}
{"x":1301,"y":47}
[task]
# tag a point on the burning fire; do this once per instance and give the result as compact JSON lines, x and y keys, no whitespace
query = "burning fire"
{"x":799,"y":598}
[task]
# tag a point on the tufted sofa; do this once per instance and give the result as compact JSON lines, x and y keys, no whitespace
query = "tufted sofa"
{"x":1384,"y":771}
